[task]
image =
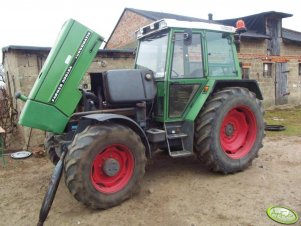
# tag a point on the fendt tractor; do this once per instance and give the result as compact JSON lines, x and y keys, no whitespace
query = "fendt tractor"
{"x":185,"y":96}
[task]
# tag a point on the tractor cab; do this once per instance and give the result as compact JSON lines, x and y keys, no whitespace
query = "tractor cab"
{"x":185,"y":57}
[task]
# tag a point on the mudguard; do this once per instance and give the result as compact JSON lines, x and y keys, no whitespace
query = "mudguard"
{"x":120,"y":119}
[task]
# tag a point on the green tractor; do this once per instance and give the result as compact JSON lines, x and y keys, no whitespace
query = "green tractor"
{"x":185,"y":96}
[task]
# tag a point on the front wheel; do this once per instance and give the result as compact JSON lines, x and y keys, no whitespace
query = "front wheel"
{"x":229,"y":130}
{"x":50,"y":146}
{"x":105,"y":165}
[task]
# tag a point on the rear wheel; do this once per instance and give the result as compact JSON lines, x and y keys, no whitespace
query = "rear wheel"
{"x":105,"y":165}
{"x":229,"y":130}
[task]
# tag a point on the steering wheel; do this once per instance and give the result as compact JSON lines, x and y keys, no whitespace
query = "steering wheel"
{"x":197,"y":73}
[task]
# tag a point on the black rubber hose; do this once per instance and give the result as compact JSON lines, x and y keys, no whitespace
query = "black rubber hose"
{"x":274,"y":128}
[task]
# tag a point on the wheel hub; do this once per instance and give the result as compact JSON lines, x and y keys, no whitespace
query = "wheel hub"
{"x":229,"y":130}
{"x":111,"y":167}
{"x":238,"y":132}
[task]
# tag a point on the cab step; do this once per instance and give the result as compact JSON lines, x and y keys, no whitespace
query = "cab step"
{"x":176,"y":135}
{"x":182,"y":153}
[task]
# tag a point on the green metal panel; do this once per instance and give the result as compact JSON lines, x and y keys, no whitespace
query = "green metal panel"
{"x":43,"y":116}
{"x":198,"y":102}
{"x":58,"y":82}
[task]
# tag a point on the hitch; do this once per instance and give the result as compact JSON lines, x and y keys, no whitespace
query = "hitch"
{"x":52,"y":188}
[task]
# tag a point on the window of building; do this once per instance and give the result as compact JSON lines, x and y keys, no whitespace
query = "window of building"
{"x":299,"y":69}
{"x":267,"y":69}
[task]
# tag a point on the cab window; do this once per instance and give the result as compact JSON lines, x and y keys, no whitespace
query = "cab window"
{"x":220,"y":54}
{"x":187,"y":57}
{"x":152,"y":54}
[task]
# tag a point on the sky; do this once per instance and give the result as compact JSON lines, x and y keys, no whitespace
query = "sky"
{"x":38,"y":22}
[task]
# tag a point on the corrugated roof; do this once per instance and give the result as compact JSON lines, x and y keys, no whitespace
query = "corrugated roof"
{"x":25,"y":48}
{"x":290,"y":35}
{"x":160,"y":15}
{"x":47,"y":49}
{"x":254,"y":34}
{"x":255,"y":22}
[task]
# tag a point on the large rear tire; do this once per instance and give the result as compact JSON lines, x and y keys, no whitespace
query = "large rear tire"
{"x":105,"y":165}
{"x":229,"y":130}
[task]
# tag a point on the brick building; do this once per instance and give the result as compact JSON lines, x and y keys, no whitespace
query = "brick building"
{"x":268,"y":52}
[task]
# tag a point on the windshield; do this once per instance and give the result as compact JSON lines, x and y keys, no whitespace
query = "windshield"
{"x":152,"y":54}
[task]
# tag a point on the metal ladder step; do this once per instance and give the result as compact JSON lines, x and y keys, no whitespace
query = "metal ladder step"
{"x":174,"y":132}
{"x":181,"y":153}
{"x":176,"y":135}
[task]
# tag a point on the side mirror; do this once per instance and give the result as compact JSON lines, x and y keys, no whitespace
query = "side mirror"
{"x":187,"y":36}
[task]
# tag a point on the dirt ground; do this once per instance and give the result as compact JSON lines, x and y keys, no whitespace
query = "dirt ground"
{"x":174,"y":192}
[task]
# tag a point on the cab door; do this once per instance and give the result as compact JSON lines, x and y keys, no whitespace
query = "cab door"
{"x":187,"y":74}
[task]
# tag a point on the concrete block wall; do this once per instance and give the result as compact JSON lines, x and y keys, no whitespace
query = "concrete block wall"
{"x":252,"y":46}
{"x":266,"y":84}
{"x":22,"y":69}
{"x":293,"y":53}
{"x":254,"y":54}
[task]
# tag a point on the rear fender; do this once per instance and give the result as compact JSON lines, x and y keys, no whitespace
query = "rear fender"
{"x":214,"y":86}
{"x":119,"y":119}
{"x":251,"y":85}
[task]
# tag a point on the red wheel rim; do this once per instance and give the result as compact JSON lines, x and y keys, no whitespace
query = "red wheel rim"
{"x":238,"y":132}
{"x":112,"y":169}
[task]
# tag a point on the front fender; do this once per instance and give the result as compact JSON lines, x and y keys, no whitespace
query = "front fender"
{"x":119,"y":119}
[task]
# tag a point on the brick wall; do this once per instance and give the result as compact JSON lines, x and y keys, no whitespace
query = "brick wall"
{"x":124,"y":32}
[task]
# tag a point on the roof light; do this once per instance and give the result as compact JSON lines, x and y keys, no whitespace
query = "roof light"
{"x":139,"y":33}
{"x":162,"y":24}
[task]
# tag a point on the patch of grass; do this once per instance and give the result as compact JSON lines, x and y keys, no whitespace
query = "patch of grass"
{"x":290,"y":118}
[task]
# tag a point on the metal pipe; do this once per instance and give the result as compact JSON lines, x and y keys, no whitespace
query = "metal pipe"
{"x":51,"y":191}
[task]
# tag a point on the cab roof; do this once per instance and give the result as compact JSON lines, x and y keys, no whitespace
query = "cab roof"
{"x":172,"y":23}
